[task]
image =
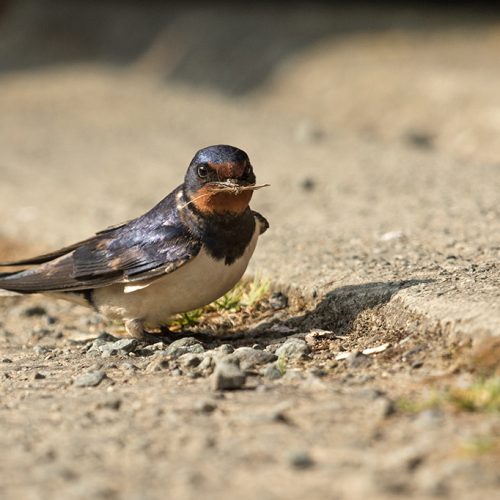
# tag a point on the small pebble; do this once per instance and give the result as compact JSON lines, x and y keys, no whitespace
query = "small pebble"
{"x":113,"y":403}
{"x":272,"y":372}
{"x":228,"y":375}
{"x":278,"y":301}
{"x":183,"y":346}
{"x":301,"y":460}
{"x":358,"y":360}
{"x":190,"y":360}
{"x":41,"y":350}
{"x":249,"y":357}
{"x":158,"y":364}
{"x":293,"y":349}
{"x":90,"y":379}
{"x":30,"y":312}
{"x":420,"y":139}
{"x":206,"y":406}
{"x":122,"y":346}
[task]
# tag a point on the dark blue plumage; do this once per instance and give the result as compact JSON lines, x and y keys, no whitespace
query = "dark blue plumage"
{"x":152,"y":245}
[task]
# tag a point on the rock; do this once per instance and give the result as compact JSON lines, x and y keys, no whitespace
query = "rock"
{"x":249,"y":357}
{"x":432,"y":417}
{"x":159,"y":363}
{"x":41,"y":350}
{"x":6,"y":360}
{"x":184,"y":346}
{"x":206,"y":367}
{"x":293,"y":349}
{"x":272,"y":372}
{"x":228,"y":375}
{"x":278,"y":301}
{"x":38,"y":376}
{"x":111,"y":403}
{"x":358,"y":360}
{"x":308,"y":184}
{"x":205,"y":406}
{"x":103,"y":339}
{"x":317,"y":335}
{"x":224,"y":349}
{"x":149,"y":349}
{"x":30,"y":312}
{"x":128,"y":366}
{"x":392,"y":235}
{"x":283,"y":329}
{"x":123,"y":346}
{"x":382,"y":408}
{"x":301,"y":460}
{"x":190,"y":360}
{"x":90,"y":379}
{"x":418,"y":138}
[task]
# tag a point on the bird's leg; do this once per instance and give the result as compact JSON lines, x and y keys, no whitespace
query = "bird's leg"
{"x":135,"y":329}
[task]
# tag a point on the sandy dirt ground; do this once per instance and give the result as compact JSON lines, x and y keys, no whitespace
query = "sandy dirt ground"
{"x":372,"y":368}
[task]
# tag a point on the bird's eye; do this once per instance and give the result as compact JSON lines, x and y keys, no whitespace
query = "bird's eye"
{"x":202,"y":171}
{"x":248,"y":170}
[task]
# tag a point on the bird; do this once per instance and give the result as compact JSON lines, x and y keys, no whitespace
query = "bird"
{"x":187,"y":251}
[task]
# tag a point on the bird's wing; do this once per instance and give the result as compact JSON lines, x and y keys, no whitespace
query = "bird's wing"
{"x":46,"y":257}
{"x":130,"y":254}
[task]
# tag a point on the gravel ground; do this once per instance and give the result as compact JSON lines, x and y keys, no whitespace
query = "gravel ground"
{"x":377,"y":139}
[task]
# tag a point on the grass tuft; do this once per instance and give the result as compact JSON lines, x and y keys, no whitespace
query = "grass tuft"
{"x":483,"y":395}
{"x":247,"y":297}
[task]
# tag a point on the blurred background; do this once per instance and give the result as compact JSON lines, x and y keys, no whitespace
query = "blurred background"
{"x":103,"y":103}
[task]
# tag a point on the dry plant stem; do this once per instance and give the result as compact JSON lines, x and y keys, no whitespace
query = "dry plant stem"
{"x":222,"y":187}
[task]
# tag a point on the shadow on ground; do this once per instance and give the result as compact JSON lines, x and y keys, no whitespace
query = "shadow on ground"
{"x":336,"y":312}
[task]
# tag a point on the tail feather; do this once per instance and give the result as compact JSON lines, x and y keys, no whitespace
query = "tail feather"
{"x":4,"y":288}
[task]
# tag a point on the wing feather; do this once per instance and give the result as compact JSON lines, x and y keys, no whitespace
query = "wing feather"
{"x":143,"y":249}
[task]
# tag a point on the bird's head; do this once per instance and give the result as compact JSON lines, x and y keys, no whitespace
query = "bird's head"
{"x":220,"y":180}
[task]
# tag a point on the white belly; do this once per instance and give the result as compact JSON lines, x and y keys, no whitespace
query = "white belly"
{"x":197,"y":283}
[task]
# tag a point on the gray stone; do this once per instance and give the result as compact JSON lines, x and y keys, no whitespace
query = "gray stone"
{"x":41,"y":349}
{"x":190,"y":360}
{"x":249,"y":357}
{"x":103,"y":339}
{"x":358,"y":360}
{"x":123,"y":346}
{"x":159,"y":346}
{"x":272,"y":372}
{"x":228,"y":375}
{"x":184,"y":346}
{"x":382,"y":408}
{"x":224,"y":349}
{"x":205,"y":406}
{"x":90,"y":379}
{"x":293,"y":349}
{"x":301,"y":460}
{"x":159,"y":363}
{"x":278,"y":300}
{"x":206,"y":367}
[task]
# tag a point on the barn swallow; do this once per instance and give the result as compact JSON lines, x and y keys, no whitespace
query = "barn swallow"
{"x":187,"y":251}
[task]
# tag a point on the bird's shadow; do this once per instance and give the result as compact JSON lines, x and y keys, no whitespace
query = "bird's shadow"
{"x":337,"y":311}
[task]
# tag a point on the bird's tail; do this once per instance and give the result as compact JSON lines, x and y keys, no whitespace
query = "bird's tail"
{"x":5,"y":288}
